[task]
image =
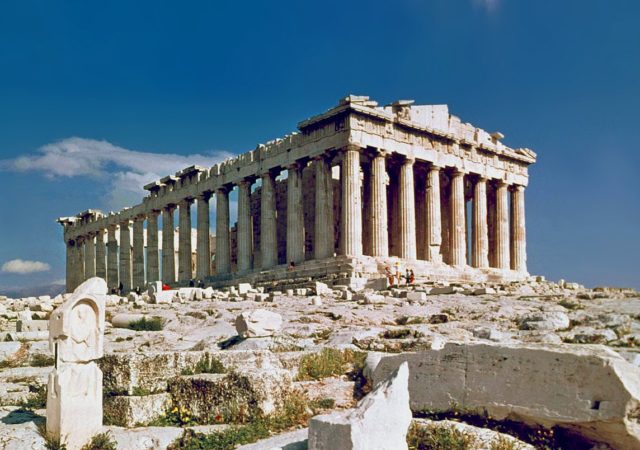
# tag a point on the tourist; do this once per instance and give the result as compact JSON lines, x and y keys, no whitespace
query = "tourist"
{"x":292,"y":266}
{"x":120,"y":288}
{"x":398,"y":272}
{"x":390,"y":277}
{"x":412,"y":277}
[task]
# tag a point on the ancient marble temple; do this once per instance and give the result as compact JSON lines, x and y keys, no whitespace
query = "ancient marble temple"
{"x":356,"y":189}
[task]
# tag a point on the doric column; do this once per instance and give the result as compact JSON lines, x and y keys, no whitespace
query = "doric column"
{"x":433,"y":221}
{"x":268,"y":222}
{"x":323,"y":246}
{"x":70,"y":265}
{"x":138,"y":253}
{"x":79,"y":264}
{"x":203,"y":262}
{"x":245,"y":235}
{"x":89,"y":256}
{"x":223,"y":252}
{"x":125,"y":256}
{"x":168,"y":246}
{"x":185,"y":272}
{"x":351,"y":217}
{"x":407,"y":211}
{"x":153,"y":266}
{"x":480,"y":231}
{"x":112,"y":257}
{"x":518,"y":233}
{"x":295,"y":215}
{"x":458,"y":233}
{"x":101,"y":256}
{"x":379,"y":223}
{"x":502,"y":226}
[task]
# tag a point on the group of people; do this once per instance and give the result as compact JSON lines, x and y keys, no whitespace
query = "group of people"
{"x":409,"y":276}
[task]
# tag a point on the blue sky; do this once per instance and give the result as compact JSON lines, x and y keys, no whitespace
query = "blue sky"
{"x":134,"y":89}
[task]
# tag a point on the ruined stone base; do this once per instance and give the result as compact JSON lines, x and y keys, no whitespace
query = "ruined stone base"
{"x":341,"y":267}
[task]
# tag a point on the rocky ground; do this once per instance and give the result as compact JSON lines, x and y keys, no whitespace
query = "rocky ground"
{"x":215,"y":362}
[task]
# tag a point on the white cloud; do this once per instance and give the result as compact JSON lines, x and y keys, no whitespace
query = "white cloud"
{"x":23,"y":267}
{"x":124,"y":172}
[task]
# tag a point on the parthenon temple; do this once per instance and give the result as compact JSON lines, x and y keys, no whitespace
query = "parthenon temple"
{"x":357,"y":189}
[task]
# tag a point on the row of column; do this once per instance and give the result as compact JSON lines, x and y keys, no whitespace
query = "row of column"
{"x":125,"y":263}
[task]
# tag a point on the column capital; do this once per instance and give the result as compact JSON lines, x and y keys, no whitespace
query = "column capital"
{"x":187,"y":201}
{"x":409,"y":160}
{"x":351,"y":148}
{"x":248,"y":181}
{"x":206,"y":195}
{"x":125,"y":222}
{"x":517,"y":187}
{"x":482,"y":178}
{"x":224,"y":189}
{"x":456,"y":172}
{"x":154,"y":213}
{"x":296,"y":165}
{"x":273,"y":172}
{"x":435,"y":167}
{"x":380,"y":153}
{"x":169,"y":207}
{"x":500,"y":182}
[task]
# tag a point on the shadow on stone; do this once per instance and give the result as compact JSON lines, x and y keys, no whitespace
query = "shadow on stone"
{"x":230,"y":342}
{"x":20,"y":416}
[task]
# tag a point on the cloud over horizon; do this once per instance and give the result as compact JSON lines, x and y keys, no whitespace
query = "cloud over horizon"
{"x":20,"y":266}
{"x":124,"y":171}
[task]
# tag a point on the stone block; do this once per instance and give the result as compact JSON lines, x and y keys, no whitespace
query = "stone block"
{"x":32,"y":325}
{"x":443,"y":290}
{"x":484,"y":291}
{"x":129,"y":411}
{"x":123,"y":320}
{"x":167,"y":296}
{"x":549,"y":320}
{"x":93,"y":286}
{"x":510,"y":381}
{"x":212,"y":398}
{"x":258,"y":323}
{"x":244,"y":288}
{"x":416,"y":296}
{"x":380,"y":420}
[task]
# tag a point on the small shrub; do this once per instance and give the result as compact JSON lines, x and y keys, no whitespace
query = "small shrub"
{"x":434,"y":437}
{"x":101,"y":441}
{"x":397,"y":334}
{"x":50,"y":442}
{"x":323,"y":403}
{"x":407,"y":320}
{"x":329,"y":362}
{"x":18,"y":358}
{"x":37,"y":399}
{"x":40,"y":360}
{"x":503,"y":443}
{"x":144,"y":324}
{"x":206,"y":365}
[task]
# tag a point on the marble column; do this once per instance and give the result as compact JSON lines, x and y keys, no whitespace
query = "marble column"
{"x":433,"y":220}
{"x":295,"y":215}
{"x":407,"y":211}
{"x":502,"y":226}
{"x":125,"y":256}
{"x":101,"y":256}
{"x":185,"y":272}
{"x":79,"y":264}
{"x":223,"y":251}
{"x":351,"y":211}
{"x":518,"y":232}
{"x":153,"y":266}
{"x":480,"y":254}
{"x":203,"y":261}
{"x":138,"y":253}
{"x":323,"y":247}
{"x":245,"y":235}
{"x":112,"y":257}
{"x":70,"y":266}
{"x":268,"y":222}
{"x":89,"y":257}
{"x":379,"y":222}
{"x":168,"y":246}
{"x":457,"y":224}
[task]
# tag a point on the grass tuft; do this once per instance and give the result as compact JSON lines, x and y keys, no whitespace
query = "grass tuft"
{"x":101,"y":441}
{"x":328,"y":363}
{"x":434,"y":437}
{"x":144,"y":324}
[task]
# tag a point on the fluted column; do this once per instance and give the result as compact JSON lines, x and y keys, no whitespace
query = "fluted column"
{"x":458,"y":233}
{"x":351,"y":217}
{"x":480,"y":228}
{"x":379,"y":222}
{"x":101,"y":256}
{"x":185,"y":272}
{"x":203,"y":260}
{"x":70,"y":266}
{"x":112,"y":257}
{"x":407,"y":211}
{"x":89,"y":257}
{"x":168,"y":246}
{"x":295,"y":215}
{"x":433,"y":234}
{"x":125,"y":256}
{"x":138,"y":253}
{"x":79,"y":264}
{"x":223,"y":251}
{"x":518,"y":233}
{"x":153,"y":266}
{"x":268,"y":222}
{"x":323,"y":246}
{"x":245,"y":235}
{"x":502,"y":226}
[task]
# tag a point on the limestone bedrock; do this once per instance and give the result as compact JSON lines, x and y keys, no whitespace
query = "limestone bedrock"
{"x":380,"y":421}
